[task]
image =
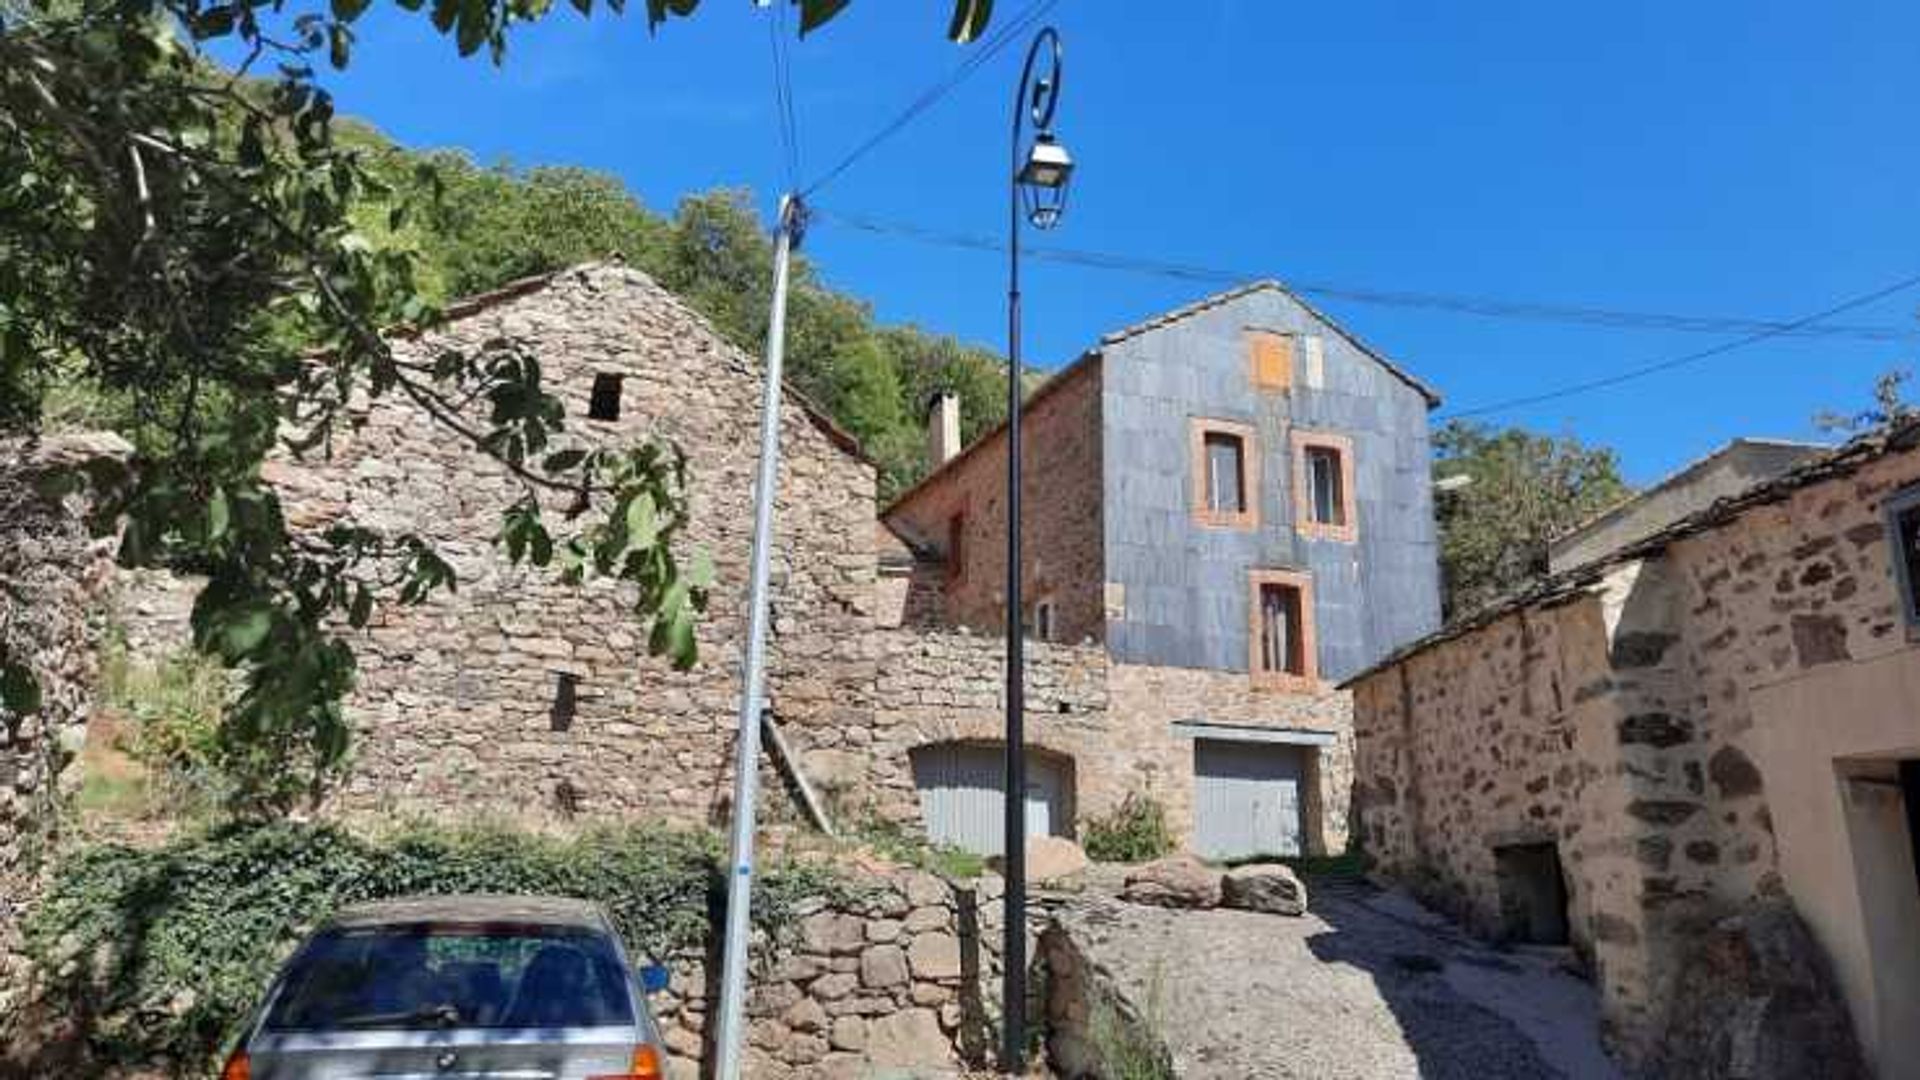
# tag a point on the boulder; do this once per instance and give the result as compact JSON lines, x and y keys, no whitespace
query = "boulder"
{"x":1757,"y":1000}
{"x":1269,"y":887}
{"x":1177,"y":881}
{"x":1049,"y":858}
{"x":908,"y":1038}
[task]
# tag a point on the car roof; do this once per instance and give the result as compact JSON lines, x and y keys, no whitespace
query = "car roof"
{"x":472,"y":908}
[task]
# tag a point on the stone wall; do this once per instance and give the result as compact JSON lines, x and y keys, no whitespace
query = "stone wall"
{"x":1617,"y":719}
{"x":1145,"y":702}
{"x":520,"y":696}
{"x":1061,"y":464}
{"x":53,"y":579}
{"x":946,"y":686}
{"x":904,"y":975}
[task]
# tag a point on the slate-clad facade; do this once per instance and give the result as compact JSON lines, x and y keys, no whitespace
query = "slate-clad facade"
{"x":1170,"y":524}
{"x":1184,"y":583}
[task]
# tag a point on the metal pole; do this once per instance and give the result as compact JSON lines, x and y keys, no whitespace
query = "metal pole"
{"x":731,"y":1036}
{"x":1013,"y":1005}
{"x":1033,"y":102}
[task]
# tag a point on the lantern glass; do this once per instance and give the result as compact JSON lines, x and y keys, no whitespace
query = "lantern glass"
{"x":1044,"y":181}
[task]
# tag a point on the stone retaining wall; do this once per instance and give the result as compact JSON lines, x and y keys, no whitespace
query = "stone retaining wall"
{"x":904,"y":976}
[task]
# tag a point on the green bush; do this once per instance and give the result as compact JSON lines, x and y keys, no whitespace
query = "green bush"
{"x":899,"y":844}
{"x":1135,"y":831}
{"x":174,"y":712}
{"x":159,"y":954}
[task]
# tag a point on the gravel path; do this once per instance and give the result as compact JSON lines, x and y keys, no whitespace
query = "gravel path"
{"x":1368,"y":986}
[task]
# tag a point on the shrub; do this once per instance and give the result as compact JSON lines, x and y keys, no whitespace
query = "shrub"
{"x":161,"y":953}
{"x":1135,"y":831}
{"x":174,"y":708}
{"x":899,"y":844}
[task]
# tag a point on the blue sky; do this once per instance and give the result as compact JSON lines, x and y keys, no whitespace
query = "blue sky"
{"x":1745,"y":159}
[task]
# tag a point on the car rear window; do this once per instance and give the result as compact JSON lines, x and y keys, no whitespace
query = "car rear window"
{"x":424,"y":977}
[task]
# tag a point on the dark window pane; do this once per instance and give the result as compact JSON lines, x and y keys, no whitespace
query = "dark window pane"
{"x":1326,"y":501}
{"x":605,"y":403}
{"x":1907,"y":524}
{"x":423,"y":977}
{"x":1225,"y":491}
{"x":1280,"y":644}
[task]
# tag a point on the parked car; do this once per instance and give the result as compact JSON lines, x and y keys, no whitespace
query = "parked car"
{"x":458,"y":986}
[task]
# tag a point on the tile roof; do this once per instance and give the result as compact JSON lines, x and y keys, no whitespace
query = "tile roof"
{"x":1559,"y":588}
{"x":1219,"y":299}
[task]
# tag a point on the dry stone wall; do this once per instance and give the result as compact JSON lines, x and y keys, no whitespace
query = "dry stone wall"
{"x":1615,"y":722}
{"x":53,"y":580}
{"x":903,"y":978}
{"x":519,"y":696}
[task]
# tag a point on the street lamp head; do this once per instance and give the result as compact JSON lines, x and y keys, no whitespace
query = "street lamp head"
{"x":1044,"y":181}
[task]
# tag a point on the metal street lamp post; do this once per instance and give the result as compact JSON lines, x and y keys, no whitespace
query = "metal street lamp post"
{"x":1037,"y":183}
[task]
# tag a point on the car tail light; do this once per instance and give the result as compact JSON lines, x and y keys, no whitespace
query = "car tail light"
{"x":645,"y":1066}
{"x":238,"y":1067}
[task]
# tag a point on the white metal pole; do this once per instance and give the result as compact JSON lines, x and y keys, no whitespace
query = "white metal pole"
{"x":731,"y":1037}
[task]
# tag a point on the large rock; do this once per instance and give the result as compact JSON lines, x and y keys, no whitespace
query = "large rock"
{"x":1756,"y":1000}
{"x":1049,"y":858}
{"x":1269,"y":887}
{"x":1178,"y":881}
{"x":908,"y":1038}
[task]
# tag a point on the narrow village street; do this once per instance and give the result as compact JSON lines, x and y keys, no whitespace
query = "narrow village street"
{"x":1367,"y":984}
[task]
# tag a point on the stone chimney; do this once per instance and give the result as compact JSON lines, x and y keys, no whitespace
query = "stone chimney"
{"x":943,"y":428}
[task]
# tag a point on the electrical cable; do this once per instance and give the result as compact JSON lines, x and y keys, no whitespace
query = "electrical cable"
{"x":1478,"y":306}
{"x":981,"y":53}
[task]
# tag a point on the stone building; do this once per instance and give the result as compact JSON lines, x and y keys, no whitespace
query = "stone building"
{"x":1717,"y":715}
{"x":1186,"y":649}
{"x":1726,"y":472}
{"x":1229,"y":507}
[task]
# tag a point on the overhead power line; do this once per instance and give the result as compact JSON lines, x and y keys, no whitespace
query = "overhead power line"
{"x":1641,"y":372}
{"x":1478,"y":306}
{"x":988,"y":47}
{"x":783,"y":94}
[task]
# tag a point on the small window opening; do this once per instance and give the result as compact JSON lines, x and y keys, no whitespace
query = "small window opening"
{"x":566,"y":701}
{"x":1903,"y":522}
{"x":1226,"y":473}
{"x":1282,"y":642}
{"x":1533,"y":893}
{"x":1326,"y":499}
{"x":956,"y":546}
{"x":1043,"y":620}
{"x":605,"y":403}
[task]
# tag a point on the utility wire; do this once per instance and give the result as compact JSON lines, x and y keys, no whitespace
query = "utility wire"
{"x":976,"y":58}
{"x":1480,"y":306}
{"x":783,"y":93}
{"x":1670,"y":363}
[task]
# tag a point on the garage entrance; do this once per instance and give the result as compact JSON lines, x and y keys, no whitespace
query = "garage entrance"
{"x":961,"y":800}
{"x":1247,"y":798}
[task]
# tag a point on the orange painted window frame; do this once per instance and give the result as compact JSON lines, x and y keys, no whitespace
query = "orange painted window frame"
{"x":1349,"y":530}
{"x":1248,"y":518}
{"x":1308,"y":678}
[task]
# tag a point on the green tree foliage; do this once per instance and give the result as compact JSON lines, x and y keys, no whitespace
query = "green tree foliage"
{"x":1522,"y":490}
{"x":189,"y":245}
{"x":492,"y":225}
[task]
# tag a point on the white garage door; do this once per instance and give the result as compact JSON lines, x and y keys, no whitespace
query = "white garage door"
{"x":1246,"y":798}
{"x":961,"y":802}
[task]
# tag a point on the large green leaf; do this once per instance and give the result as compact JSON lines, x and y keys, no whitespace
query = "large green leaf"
{"x":815,"y":13}
{"x":970,"y":18}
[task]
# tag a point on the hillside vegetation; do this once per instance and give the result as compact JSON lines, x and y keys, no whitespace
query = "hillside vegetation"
{"x":493,"y":224}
